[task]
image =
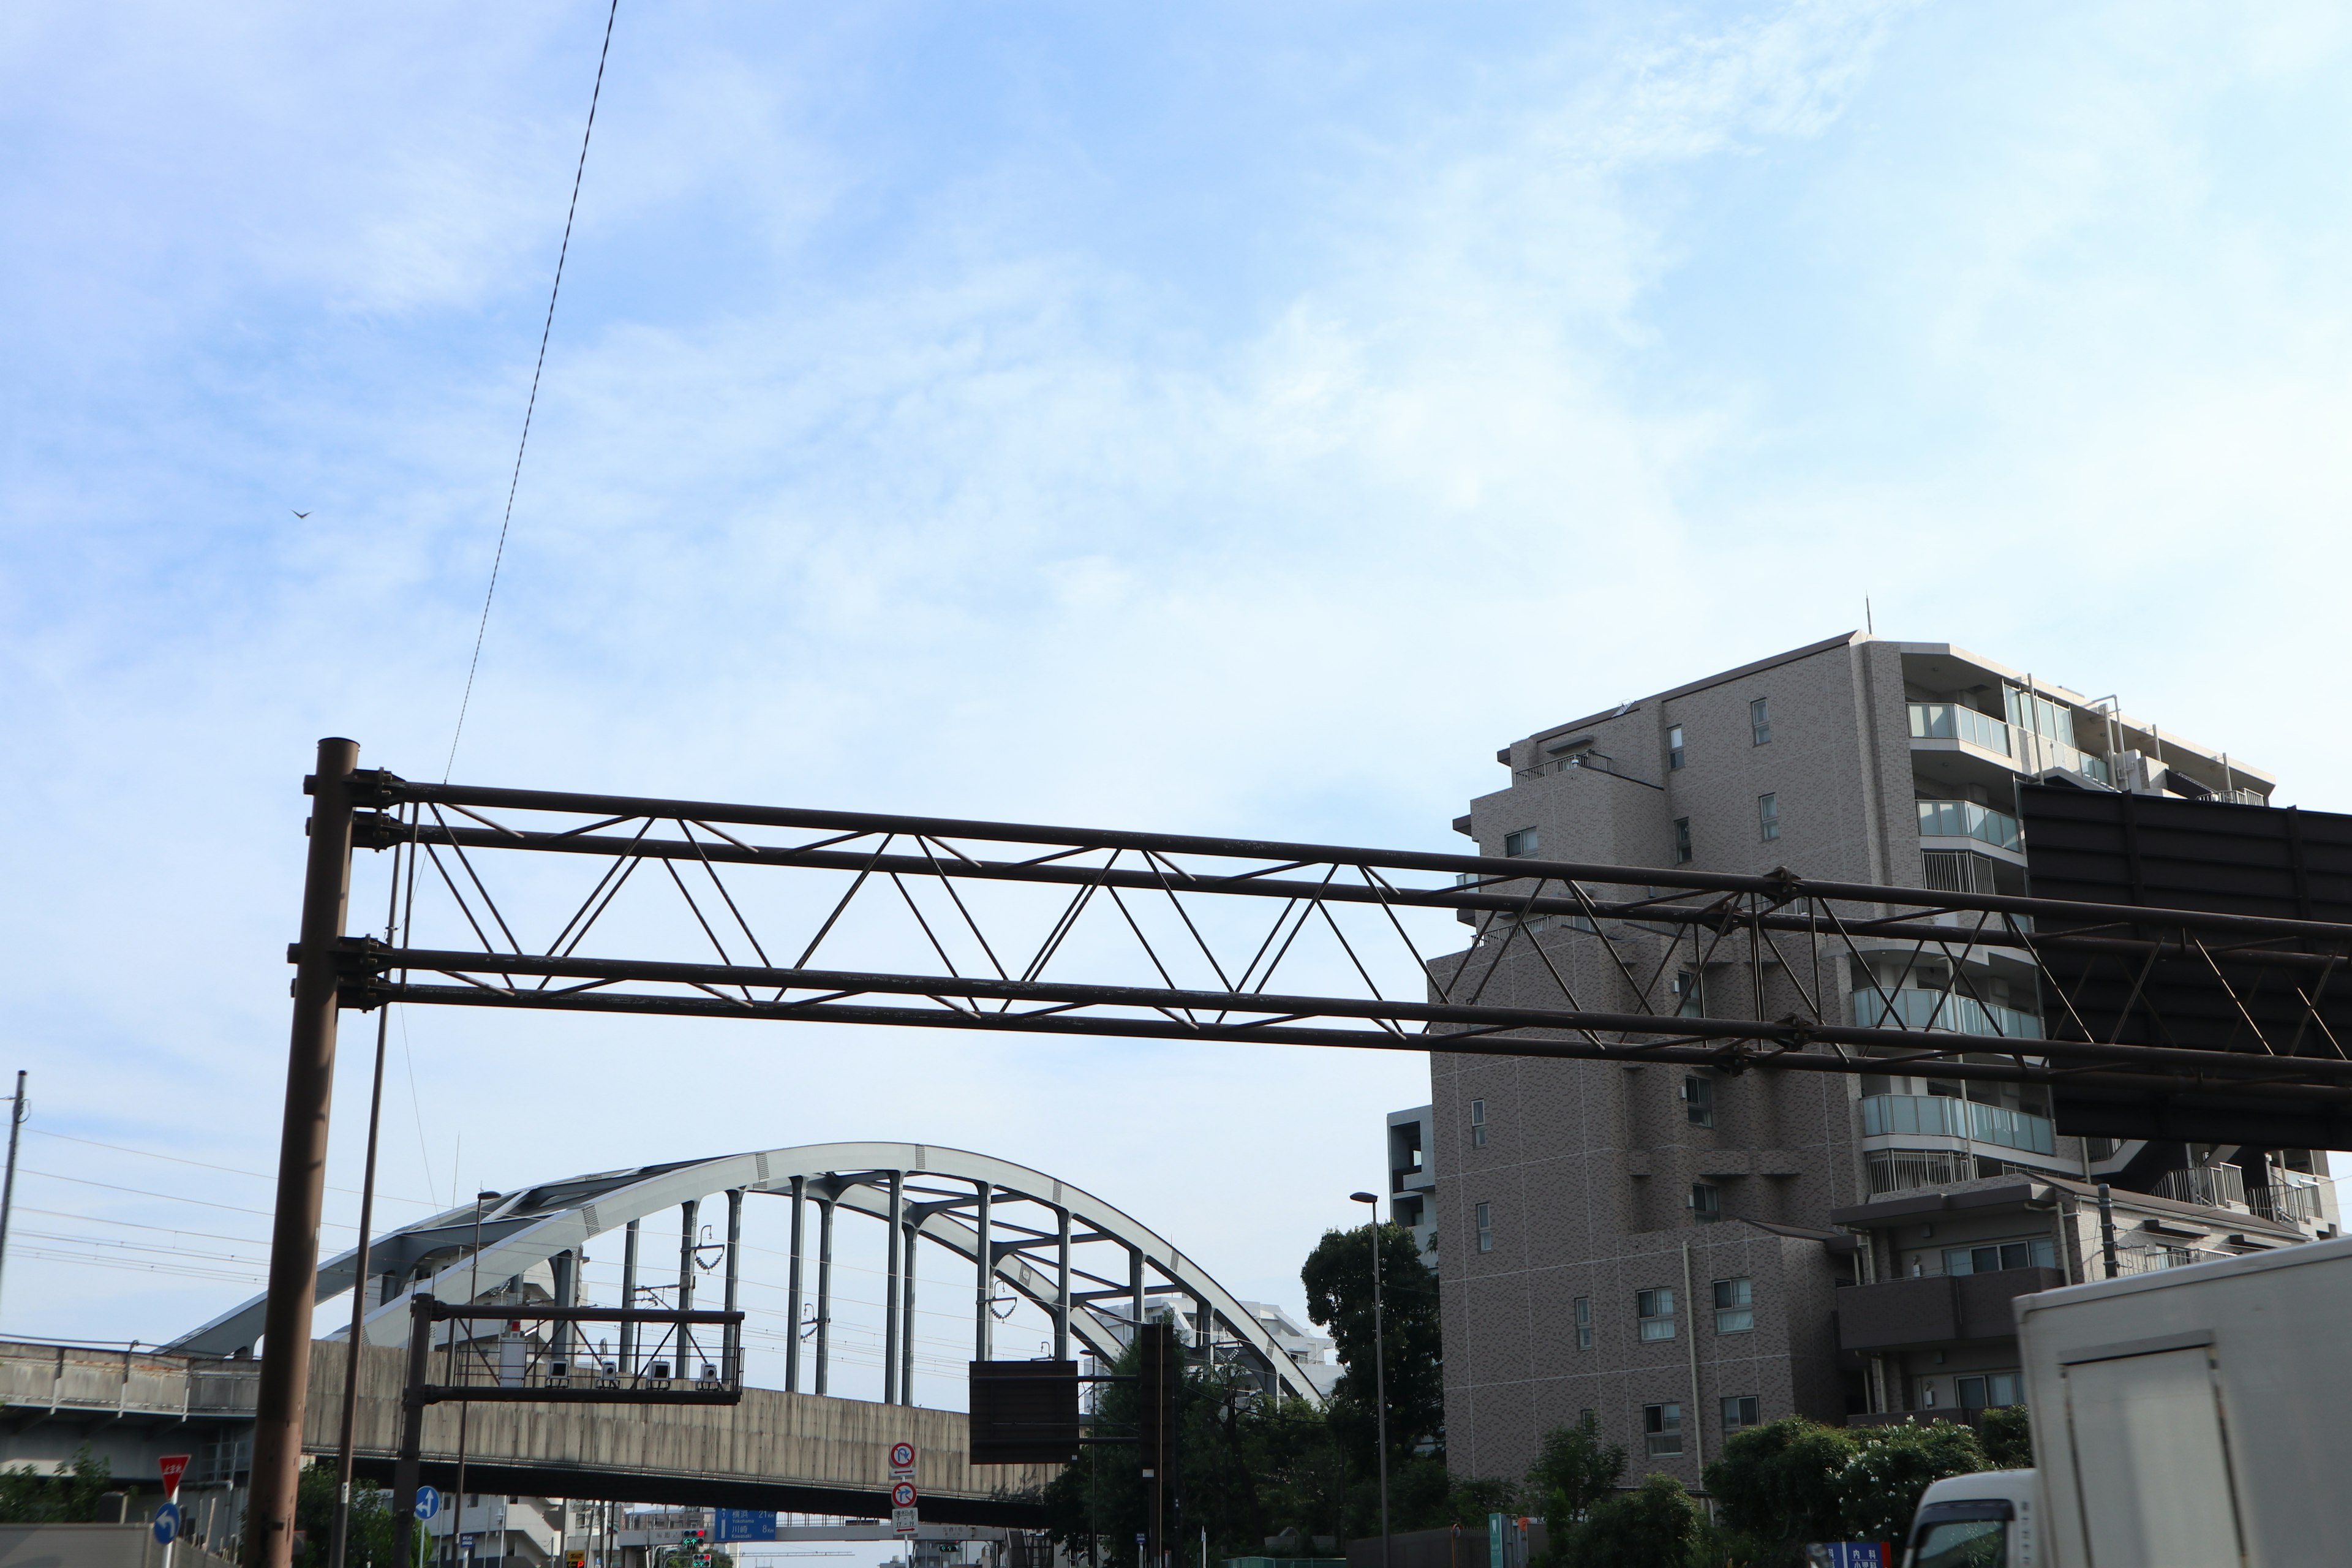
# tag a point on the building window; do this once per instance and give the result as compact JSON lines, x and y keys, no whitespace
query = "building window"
{"x":1485,"y":1213}
{"x":1690,"y":994}
{"x":1675,"y":757}
{"x":1662,"y":1427}
{"x":1767,"y":817}
{"x":1705,"y":1203}
{"x":1735,"y":1306}
{"x":1739,"y":1413}
{"x":1759,"y":721}
{"x":2040,"y":1252}
{"x":1526,"y":841}
{"x":1989,"y":1391}
{"x":1584,"y":1322}
{"x":1682,"y":841}
{"x":1477,"y":1124}
{"x":1655,"y":1309}
{"x":1698,"y":1100}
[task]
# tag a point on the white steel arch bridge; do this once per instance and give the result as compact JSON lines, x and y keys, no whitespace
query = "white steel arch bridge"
{"x":1088,"y":1265}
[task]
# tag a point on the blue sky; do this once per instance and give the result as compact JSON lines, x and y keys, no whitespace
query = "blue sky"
{"x":1239,"y":418}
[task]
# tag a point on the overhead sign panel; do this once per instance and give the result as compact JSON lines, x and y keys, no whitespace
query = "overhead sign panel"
{"x":2269,"y":992}
{"x":1024,"y":1412}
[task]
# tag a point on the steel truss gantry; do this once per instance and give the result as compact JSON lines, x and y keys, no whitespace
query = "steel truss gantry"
{"x":1055,"y":931}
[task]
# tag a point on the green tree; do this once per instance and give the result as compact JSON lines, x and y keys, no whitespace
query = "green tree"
{"x":1339,"y":1279}
{"x":66,"y":1496}
{"x":1655,"y":1525}
{"x":1780,"y":1484}
{"x":1879,"y":1487}
{"x":314,"y":1521}
{"x":2007,"y":1437}
{"x":1573,"y":1471}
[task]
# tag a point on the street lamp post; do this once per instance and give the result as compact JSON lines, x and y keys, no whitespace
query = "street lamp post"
{"x":1380,"y":1373}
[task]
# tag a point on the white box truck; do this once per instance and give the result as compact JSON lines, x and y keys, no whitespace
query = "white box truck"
{"x":2193,"y":1417}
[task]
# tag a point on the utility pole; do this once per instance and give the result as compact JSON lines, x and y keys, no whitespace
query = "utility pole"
{"x":8,"y":1188}
{"x":301,"y":1166}
{"x":1379,"y":1373}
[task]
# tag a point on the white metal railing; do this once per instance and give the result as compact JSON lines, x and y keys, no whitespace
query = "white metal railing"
{"x":2149,"y":1259}
{"x":1914,"y":1008}
{"x":1945,"y":1116}
{"x":2212,"y":1185}
{"x":1966,"y":820}
{"x":1906,"y":1170}
{"x":2288,"y":1205}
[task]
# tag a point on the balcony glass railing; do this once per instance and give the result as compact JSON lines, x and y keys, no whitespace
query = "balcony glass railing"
{"x":2028,"y":749}
{"x":1966,"y":820}
{"x":1945,"y":1117}
{"x":1957,"y":722}
{"x":1962,"y":1014}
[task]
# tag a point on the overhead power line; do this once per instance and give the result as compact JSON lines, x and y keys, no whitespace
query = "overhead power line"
{"x":499,"y":557}
{"x":209,"y":1165}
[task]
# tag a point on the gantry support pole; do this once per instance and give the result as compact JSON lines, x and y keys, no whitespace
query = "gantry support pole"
{"x":301,"y":1167}
{"x":984,"y":1253}
{"x":682,"y":1352}
{"x":824,"y":1292}
{"x":799,"y":1241}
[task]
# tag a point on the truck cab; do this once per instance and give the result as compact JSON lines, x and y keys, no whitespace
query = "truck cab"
{"x":1989,"y":1520}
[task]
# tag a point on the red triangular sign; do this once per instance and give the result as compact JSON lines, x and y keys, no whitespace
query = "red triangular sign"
{"x":173,"y":1466}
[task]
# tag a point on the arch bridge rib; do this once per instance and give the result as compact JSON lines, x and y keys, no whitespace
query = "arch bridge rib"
{"x":541,"y":1225}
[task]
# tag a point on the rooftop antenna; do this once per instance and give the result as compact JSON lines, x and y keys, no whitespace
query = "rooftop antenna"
{"x":1869,"y":626}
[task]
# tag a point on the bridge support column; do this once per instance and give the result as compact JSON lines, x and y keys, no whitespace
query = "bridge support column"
{"x":985,"y":1257}
{"x":824,"y":1292}
{"x":792,"y":1342}
{"x":731,"y":1344}
{"x":567,"y":1294}
{"x":907,"y":1326}
{"x":682,"y":1349}
{"x":1061,"y":1295}
{"x":1135,"y":1285}
{"x":629,"y":1299}
{"x":891,"y":1302}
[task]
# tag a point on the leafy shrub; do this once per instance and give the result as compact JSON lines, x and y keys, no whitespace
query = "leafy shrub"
{"x":1655,"y":1525}
{"x":1879,"y":1489}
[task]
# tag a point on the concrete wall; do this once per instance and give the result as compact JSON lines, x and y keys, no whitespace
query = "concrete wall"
{"x":771,"y":1437}
{"x":93,"y":1546}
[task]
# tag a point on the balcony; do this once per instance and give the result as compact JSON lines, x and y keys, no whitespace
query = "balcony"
{"x":1957,"y":722}
{"x":2287,"y":1205}
{"x":2028,"y":750}
{"x":1938,"y":1309}
{"x":2215,"y":1187}
{"x":1915,"y":1008}
{"x":1966,"y":820}
{"x":1943,"y":1116}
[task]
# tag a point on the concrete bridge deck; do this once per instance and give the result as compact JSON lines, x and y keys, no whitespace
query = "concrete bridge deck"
{"x":799,"y":1452}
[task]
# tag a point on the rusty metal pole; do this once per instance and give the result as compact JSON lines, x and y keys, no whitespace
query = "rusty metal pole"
{"x":301,"y":1166}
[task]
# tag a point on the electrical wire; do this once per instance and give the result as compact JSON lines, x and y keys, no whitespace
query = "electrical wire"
{"x":531,"y":407}
{"x":208,"y":1165}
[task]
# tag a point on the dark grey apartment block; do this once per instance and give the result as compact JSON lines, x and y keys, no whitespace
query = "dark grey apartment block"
{"x":1684,"y":1253}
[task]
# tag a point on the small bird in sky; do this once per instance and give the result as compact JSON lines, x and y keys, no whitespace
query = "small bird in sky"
{"x":299,"y":513}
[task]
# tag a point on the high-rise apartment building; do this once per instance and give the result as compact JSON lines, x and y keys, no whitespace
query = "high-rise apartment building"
{"x":1684,"y":1253}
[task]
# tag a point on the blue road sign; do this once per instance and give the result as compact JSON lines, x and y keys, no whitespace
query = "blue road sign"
{"x":744,"y":1524}
{"x":167,"y":1523}
{"x":428,"y":1502}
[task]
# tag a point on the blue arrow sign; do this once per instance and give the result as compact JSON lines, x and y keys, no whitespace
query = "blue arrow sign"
{"x":167,"y":1523}
{"x":428,"y":1502}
